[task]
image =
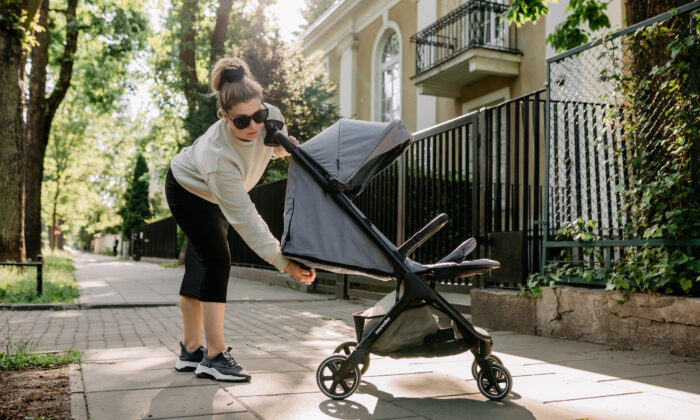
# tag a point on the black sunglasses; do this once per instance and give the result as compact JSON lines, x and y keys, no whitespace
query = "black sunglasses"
{"x":243,"y":121}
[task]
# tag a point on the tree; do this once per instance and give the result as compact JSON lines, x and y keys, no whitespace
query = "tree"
{"x":17,"y":20}
{"x":136,"y":207}
{"x":61,"y":150}
{"x":584,"y":16}
{"x":118,"y":31}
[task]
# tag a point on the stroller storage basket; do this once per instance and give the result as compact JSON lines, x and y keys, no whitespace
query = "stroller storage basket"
{"x":444,"y":339}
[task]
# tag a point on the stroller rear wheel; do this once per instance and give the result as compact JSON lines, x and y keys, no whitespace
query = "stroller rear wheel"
{"x":347,"y":348}
{"x":496,"y":390}
{"x":329,"y":382}
{"x":476,"y":368}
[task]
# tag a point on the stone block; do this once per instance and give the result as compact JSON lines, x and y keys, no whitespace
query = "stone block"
{"x":499,"y":309}
{"x":636,"y":320}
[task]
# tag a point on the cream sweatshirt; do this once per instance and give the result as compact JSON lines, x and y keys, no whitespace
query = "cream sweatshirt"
{"x":221,"y":169}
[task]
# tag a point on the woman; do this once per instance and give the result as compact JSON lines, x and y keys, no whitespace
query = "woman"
{"x":207,"y":189}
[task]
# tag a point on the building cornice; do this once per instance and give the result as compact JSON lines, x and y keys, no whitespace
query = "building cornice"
{"x":335,"y":24}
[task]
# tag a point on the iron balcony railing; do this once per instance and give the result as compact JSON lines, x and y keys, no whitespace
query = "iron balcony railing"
{"x":476,"y":23}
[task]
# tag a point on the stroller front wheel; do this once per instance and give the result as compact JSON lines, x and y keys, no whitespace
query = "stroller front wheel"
{"x":498,"y":389}
{"x":347,"y":348}
{"x":476,"y":368}
{"x":330,"y":384}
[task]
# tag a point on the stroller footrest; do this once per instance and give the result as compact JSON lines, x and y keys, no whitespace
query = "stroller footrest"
{"x":461,"y":252}
{"x":446,"y":270}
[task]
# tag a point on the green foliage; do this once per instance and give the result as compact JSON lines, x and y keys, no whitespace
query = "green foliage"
{"x":572,"y":32}
{"x":18,"y":285}
{"x":113,"y":33}
{"x":19,"y":355}
{"x":136,"y":207}
{"x":169,"y":264}
{"x":523,"y":11}
{"x":583,"y":13}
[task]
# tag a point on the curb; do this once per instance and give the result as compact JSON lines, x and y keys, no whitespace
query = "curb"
{"x":76,"y":306}
{"x":82,"y":306}
{"x":78,"y":402}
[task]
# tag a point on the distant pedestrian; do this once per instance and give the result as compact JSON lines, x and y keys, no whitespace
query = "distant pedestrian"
{"x":115,"y":246}
{"x":207,"y":189}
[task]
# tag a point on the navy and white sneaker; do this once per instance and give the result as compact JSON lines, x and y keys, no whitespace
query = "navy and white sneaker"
{"x":223,"y":368}
{"x":188,"y":362}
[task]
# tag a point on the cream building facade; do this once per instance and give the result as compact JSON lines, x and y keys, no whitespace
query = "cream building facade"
{"x":428,"y":61}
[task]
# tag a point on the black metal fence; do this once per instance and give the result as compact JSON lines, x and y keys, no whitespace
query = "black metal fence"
{"x":476,"y":23}
{"x":486,"y":171}
{"x":269,"y":201}
{"x":619,"y":120}
{"x":160,"y":239}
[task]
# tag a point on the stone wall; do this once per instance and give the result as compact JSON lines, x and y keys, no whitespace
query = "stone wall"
{"x":599,"y":316}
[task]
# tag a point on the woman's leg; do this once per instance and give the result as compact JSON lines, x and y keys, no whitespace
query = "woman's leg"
{"x":213,"y":313}
{"x":191,"y":322}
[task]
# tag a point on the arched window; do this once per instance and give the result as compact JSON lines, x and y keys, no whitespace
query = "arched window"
{"x":389,"y":67}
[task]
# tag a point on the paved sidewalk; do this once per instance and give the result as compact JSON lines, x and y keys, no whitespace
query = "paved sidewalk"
{"x":127,"y":373}
{"x":110,"y":281}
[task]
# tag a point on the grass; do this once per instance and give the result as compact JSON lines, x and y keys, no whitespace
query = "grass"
{"x":18,"y":284}
{"x":169,"y":264}
{"x":18,"y":356}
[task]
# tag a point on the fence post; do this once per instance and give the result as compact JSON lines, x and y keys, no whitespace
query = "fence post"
{"x":341,"y":286}
{"x":401,"y":201}
{"x":39,"y":274}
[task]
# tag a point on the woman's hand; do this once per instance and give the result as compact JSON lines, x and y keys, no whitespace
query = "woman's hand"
{"x":301,"y":274}
{"x":281,"y":152}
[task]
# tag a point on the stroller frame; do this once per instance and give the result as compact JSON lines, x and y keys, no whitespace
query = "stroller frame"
{"x":415,"y":288}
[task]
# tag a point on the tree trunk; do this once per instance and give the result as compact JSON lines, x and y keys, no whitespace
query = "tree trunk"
{"x":40,"y":113}
{"x":188,"y":68}
{"x":34,"y":152}
{"x":12,"y":246}
{"x":218,"y":36}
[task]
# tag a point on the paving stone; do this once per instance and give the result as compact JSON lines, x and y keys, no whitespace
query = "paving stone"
{"x":127,"y":353}
{"x":475,"y":406}
{"x":318,"y":406}
{"x":633,"y":407}
{"x":161,"y":403}
{"x":273,"y":384}
{"x":111,"y":377}
{"x":416,"y":385}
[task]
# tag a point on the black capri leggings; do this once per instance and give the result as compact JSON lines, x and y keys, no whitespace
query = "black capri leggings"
{"x":207,"y":259}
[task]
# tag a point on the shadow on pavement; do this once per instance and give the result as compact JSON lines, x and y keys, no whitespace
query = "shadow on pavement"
{"x":453,"y":406}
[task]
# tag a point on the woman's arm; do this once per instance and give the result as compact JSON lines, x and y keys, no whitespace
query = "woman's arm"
{"x":240,"y":212}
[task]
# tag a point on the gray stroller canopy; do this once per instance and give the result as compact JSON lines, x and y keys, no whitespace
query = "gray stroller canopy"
{"x":317,"y":231}
{"x":356,"y":151}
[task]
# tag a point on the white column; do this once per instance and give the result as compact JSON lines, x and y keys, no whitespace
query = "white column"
{"x":426,"y":105}
{"x":346,"y":51}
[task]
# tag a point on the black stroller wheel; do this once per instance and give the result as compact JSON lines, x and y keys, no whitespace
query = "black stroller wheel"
{"x":476,"y":368}
{"x":499,"y":389}
{"x":346,"y":348}
{"x":336,"y":388}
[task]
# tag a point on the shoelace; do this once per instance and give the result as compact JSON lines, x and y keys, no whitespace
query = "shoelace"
{"x":229,"y":358}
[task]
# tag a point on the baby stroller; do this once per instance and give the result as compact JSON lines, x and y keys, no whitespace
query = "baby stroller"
{"x":324,"y":229}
